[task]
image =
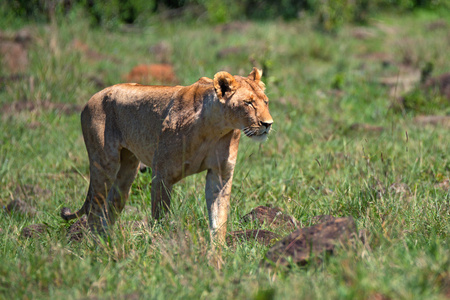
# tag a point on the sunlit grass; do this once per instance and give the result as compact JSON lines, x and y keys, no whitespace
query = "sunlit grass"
{"x":314,"y":163}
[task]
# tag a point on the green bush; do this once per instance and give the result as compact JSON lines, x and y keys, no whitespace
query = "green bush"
{"x":329,"y":14}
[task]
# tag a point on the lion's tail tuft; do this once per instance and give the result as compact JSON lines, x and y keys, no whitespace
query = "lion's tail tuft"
{"x":67,"y":215}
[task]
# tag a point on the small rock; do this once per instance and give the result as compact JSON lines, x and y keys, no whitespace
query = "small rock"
{"x":264,"y":237}
{"x":306,"y":243}
{"x":20,"y":207}
{"x":272,"y":216}
{"x":33,"y":231}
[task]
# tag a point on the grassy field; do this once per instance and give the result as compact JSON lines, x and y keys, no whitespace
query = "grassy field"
{"x":342,"y":145}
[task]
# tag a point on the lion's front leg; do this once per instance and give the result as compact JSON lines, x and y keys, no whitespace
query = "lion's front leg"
{"x":217,"y":192}
{"x":161,"y":190}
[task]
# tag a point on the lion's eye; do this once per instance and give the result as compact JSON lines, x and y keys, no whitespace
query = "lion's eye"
{"x":249,"y":103}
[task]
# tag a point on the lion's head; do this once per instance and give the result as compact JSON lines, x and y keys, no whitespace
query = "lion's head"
{"x":247,"y":107}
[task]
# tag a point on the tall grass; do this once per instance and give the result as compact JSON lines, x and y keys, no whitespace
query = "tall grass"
{"x":314,"y":163}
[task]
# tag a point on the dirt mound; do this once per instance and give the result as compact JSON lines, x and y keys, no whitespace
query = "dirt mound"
{"x":76,"y":230}
{"x":152,"y":74}
{"x":34,"y":231}
{"x":440,"y":83}
{"x":307,"y":243}
{"x":21,"y":207}
{"x":13,"y":51}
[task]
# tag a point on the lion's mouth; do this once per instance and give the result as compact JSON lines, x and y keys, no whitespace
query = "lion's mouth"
{"x":259,"y":134}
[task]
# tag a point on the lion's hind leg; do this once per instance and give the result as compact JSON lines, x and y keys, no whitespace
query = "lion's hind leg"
{"x":102,"y":177}
{"x":118,"y":195}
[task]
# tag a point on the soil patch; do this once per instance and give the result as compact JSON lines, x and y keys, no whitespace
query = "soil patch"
{"x":403,"y":82}
{"x":77,"y":229}
{"x":151,"y":74}
{"x":20,"y":207}
{"x":28,"y":190}
{"x":13,"y":51}
{"x":34,"y":231}
{"x":440,"y":83}
{"x":307,"y":243}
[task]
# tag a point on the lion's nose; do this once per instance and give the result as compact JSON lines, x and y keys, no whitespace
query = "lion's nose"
{"x":266,"y":124}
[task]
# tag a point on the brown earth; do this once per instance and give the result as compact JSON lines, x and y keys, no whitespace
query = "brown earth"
{"x":13,"y":51}
{"x":440,"y":83}
{"x":20,"y":207}
{"x":34,"y":231}
{"x":304,"y":244}
{"x":152,"y":74}
{"x":77,"y":229}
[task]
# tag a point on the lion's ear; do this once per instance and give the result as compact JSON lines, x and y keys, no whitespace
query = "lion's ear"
{"x":255,"y":74}
{"x":225,"y":84}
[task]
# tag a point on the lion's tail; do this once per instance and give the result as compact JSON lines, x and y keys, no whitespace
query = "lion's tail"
{"x":67,"y":215}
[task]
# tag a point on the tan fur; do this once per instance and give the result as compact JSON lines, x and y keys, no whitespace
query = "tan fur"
{"x":178,"y":131}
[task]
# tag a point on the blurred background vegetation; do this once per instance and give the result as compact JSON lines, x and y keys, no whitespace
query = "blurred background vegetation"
{"x":328,"y":14}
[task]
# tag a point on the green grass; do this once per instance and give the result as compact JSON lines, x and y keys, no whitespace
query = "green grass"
{"x":313,"y":164}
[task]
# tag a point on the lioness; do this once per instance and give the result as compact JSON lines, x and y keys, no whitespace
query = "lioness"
{"x":178,"y":131}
